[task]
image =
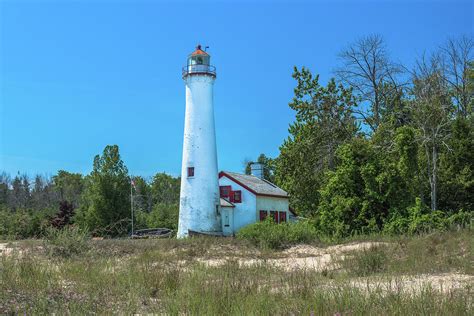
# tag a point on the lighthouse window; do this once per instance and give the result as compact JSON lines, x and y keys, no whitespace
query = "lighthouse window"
{"x":190,"y":172}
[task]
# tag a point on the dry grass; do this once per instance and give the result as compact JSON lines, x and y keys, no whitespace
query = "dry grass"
{"x":430,"y":275}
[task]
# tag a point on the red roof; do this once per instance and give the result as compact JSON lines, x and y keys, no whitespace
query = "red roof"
{"x":199,"y":51}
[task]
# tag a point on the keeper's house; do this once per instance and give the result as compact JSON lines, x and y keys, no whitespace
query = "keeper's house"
{"x":246,"y":199}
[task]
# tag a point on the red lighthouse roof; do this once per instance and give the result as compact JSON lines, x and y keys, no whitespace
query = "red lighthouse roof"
{"x":199,"y":51}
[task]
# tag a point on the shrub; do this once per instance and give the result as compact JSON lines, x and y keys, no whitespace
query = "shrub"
{"x":396,"y":225}
{"x":267,"y":234}
{"x":162,"y":216}
{"x":64,"y":215}
{"x":366,"y":262}
{"x":462,"y":219}
{"x":66,"y":242}
{"x":422,"y":219}
{"x":23,"y":223}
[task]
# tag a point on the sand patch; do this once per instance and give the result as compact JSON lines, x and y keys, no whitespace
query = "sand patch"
{"x":5,"y":250}
{"x":299,"y":257}
{"x":444,"y":283}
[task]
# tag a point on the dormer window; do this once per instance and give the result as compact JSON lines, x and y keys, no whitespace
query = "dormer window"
{"x":190,"y":172}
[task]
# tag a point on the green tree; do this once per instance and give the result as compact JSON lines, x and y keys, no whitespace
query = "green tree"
{"x":106,"y":201}
{"x":165,"y":189}
{"x":470,"y":87}
{"x":369,"y":187}
{"x":142,"y":197}
{"x":69,"y":186}
{"x":456,"y":176}
{"x":324,"y":121}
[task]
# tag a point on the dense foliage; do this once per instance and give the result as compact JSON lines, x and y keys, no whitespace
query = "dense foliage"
{"x":267,"y":234}
{"x":98,"y":203}
{"x":407,"y":167}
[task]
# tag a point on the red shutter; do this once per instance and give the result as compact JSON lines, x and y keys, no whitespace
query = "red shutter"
{"x":237,"y":196}
{"x":263,"y":215}
{"x":282,"y":217}
{"x":225,"y":191}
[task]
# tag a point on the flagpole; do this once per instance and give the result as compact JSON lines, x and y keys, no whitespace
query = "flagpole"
{"x":131,"y":201}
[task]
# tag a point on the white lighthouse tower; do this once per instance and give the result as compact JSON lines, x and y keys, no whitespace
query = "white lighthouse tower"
{"x":199,"y":196}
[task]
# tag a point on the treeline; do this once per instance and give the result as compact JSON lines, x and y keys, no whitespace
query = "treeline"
{"x":382,"y":148}
{"x":99,"y":202}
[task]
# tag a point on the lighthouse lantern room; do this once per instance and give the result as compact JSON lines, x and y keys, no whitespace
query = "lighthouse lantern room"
{"x":199,"y":62}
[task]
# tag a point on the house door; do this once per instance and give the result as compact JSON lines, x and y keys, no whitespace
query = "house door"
{"x":227,"y":221}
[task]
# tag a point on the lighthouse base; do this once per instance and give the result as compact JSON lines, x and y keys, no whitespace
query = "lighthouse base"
{"x":192,"y":233}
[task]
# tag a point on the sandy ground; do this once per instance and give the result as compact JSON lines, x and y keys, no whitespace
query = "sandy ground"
{"x":5,"y":250}
{"x":305,"y":257}
{"x":301,"y":257}
{"x":445,"y":283}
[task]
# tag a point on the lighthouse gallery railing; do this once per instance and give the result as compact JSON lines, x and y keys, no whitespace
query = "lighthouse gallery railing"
{"x":199,"y":69}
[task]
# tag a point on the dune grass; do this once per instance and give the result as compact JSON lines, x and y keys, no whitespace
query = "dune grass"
{"x":166,"y":277}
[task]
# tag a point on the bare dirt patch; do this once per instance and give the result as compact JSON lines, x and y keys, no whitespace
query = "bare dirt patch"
{"x":307,"y":257}
{"x":5,"y":250}
{"x":299,"y":257}
{"x":444,"y":283}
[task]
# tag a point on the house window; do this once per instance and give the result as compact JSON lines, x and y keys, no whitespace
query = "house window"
{"x":225,"y":191}
{"x":282,"y":216}
{"x":190,"y":172}
{"x":237,"y":196}
{"x":263,"y":215}
{"x":274,"y":214}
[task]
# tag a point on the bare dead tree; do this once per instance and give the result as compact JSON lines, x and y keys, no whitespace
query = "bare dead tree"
{"x":432,"y":113}
{"x":367,"y":68}
{"x":457,"y":53}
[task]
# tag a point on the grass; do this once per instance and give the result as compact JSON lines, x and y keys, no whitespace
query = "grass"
{"x":437,"y":252}
{"x":166,"y":277}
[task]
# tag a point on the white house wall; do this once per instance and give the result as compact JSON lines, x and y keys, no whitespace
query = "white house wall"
{"x":269,"y":203}
{"x":243,"y":213}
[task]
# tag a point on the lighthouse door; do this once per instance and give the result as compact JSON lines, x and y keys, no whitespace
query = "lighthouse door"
{"x":226,"y":221}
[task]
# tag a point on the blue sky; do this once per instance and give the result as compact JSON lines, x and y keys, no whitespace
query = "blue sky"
{"x":78,"y":75}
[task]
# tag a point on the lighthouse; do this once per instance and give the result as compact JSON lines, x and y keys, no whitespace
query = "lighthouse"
{"x":199,"y":196}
